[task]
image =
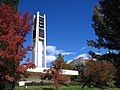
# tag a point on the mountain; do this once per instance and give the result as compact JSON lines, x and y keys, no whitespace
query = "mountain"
{"x":81,"y":59}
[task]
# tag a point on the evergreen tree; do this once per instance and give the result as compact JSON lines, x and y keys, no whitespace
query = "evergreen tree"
{"x":106,"y":19}
{"x":60,"y":57}
{"x":60,"y":62}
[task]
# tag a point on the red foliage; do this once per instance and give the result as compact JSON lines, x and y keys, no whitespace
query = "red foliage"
{"x":98,"y":74}
{"x":55,"y":74}
{"x":13,"y":29}
{"x":56,"y":77}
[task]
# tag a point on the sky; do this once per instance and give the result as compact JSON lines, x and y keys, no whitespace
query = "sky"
{"x":68,"y":26}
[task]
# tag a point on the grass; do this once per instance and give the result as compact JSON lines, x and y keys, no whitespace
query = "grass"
{"x":61,"y":88}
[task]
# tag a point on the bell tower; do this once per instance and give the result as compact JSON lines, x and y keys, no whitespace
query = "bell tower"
{"x":39,"y":40}
{"x":39,"y":43}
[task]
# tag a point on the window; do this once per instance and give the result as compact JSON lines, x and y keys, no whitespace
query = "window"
{"x":41,"y":33}
{"x":41,"y":23}
{"x":34,"y":34}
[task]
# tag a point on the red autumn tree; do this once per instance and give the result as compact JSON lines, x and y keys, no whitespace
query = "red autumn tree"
{"x":55,"y":74}
{"x":13,"y":29}
{"x":98,"y":74}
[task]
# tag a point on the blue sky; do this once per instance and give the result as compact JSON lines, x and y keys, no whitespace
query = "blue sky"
{"x":68,"y":25}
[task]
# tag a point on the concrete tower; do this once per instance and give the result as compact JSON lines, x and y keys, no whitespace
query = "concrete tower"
{"x":39,"y":43}
{"x":39,"y":40}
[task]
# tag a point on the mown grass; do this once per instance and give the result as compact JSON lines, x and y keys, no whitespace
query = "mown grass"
{"x":61,"y":88}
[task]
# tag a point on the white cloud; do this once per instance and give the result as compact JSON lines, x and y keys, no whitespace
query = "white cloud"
{"x":82,"y":48}
{"x":52,"y":53}
{"x":50,"y":58}
{"x":67,"y":53}
{"x":52,"y":50}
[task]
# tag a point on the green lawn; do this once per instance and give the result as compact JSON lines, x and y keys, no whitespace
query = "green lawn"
{"x":61,"y":88}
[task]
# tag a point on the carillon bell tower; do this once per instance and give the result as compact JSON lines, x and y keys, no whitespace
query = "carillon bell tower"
{"x":39,"y":40}
{"x":39,"y":43}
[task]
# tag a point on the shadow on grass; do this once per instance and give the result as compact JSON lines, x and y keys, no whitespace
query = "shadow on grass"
{"x":48,"y":88}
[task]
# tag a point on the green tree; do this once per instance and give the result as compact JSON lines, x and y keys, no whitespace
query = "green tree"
{"x":106,"y":19}
{"x":60,"y":57}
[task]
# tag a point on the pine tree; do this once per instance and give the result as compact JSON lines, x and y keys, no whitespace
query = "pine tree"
{"x":106,"y":19}
{"x":60,"y":62}
{"x":60,"y":57}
